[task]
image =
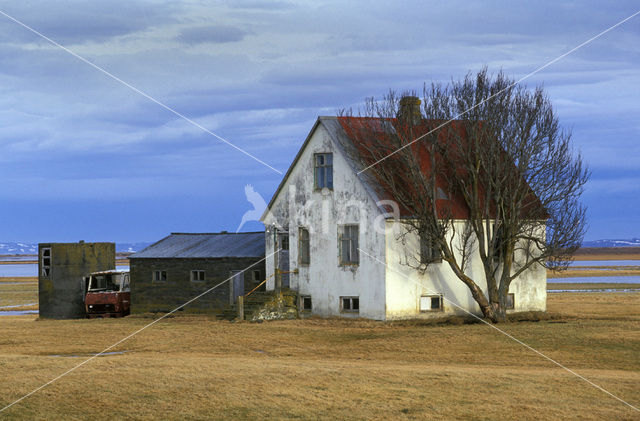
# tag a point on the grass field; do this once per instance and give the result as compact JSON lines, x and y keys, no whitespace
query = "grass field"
{"x":195,"y":367}
{"x":17,"y":292}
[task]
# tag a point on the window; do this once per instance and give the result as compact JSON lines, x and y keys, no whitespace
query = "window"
{"x":348,"y":244}
{"x":431,"y":303}
{"x":303,"y":246}
{"x":350,"y":304}
{"x":256,"y":276}
{"x":159,"y":276}
{"x":511,"y":301}
{"x":429,"y":250}
{"x":197,"y":275}
{"x":45,"y":262}
{"x":284,"y":241}
{"x":305,"y":303}
{"x":323,"y":170}
{"x":498,"y":243}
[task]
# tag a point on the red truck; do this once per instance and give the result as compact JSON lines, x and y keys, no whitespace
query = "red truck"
{"x":108,"y":294}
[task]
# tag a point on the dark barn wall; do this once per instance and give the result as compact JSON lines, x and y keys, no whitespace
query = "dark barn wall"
{"x":149,"y":296}
{"x":60,"y":295}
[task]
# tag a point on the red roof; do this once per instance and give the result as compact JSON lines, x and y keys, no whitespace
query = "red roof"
{"x":376,"y":138}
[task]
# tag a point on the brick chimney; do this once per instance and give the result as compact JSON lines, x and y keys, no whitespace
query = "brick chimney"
{"x":409,"y":110}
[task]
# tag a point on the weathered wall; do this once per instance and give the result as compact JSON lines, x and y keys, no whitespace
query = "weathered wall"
{"x":300,"y":205}
{"x":405,"y":285}
{"x":60,"y":295}
{"x":150,"y":296}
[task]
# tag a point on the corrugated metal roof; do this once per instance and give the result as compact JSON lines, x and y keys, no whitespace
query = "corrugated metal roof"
{"x":183,"y":245}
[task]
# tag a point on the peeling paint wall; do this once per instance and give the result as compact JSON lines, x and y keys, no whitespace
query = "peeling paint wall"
{"x":321,"y":212}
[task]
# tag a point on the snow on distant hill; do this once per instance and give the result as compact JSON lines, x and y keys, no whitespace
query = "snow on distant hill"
{"x":634,"y":242}
{"x":29,"y":248}
{"x":18,"y":248}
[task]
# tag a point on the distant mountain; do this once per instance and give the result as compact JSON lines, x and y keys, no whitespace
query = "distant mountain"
{"x":634,"y":242}
{"x":29,"y":248}
{"x":130,"y":247}
{"x":18,"y":248}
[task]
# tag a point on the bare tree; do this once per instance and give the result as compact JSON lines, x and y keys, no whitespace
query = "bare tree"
{"x":500,"y":180}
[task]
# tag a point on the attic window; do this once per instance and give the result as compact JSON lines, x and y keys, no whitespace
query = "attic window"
{"x":323,"y":170}
{"x":430,"y":303}
{"x":197,"y":275}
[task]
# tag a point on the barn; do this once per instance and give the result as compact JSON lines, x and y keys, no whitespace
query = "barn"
{"x":182,"y":266}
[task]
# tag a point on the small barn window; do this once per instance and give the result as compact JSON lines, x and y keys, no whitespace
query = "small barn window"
{"x":323,"y":167}
{"x":305,"y":303}
{"x":429,"y":250}
{"x":303,"y":246}
{"x":197,"y":275}
{"x":350,"y":304}
{"x":256,"y":276}
{"x":431,"y":303}
{"x":159,"y":276}
{"x":511,"y":301}
{"x":348,"y":244}
{"x":45,"y":262}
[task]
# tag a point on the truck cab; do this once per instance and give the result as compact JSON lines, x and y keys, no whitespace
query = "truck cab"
{"x":108,"y":294}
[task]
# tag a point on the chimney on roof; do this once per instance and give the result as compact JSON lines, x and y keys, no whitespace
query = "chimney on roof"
{"x":409,"y":110}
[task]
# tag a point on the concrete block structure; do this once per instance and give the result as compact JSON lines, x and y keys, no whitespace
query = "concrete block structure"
{"x":61,"y":268}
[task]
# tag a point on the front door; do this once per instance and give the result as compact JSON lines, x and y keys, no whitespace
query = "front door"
{"x":237,"y":285}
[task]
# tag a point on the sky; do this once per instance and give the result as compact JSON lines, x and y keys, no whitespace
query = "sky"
{"x":84,"y":157}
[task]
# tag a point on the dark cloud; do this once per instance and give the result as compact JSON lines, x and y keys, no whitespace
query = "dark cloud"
{"x":79,"y":22}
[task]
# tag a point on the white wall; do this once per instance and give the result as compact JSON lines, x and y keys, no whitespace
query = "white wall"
{"x":405,"y":284}
{"x":298,"y":204}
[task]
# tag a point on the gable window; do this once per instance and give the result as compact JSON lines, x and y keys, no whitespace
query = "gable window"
{"x":159,"y":276}
{"x":323,"y":170}
{"x":45,"y":262}
{"x":429,"y":250}
{"x":305,"y":303}
{"x":511,"y":301}
{"x":197,"y":275}
{"x":303,"y":246}
{"x":348,"y":244}
{"x":431,"y":303}
{"x":350,"y":304}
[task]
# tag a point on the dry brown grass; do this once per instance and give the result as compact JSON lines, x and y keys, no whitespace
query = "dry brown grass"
{"x":194,"y":367}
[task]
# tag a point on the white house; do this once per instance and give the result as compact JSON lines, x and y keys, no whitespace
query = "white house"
{"x":340,"y":248}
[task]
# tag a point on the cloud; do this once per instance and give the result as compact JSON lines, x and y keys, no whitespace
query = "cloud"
{"x":79,"y":22}
{"x":211,"y":34}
